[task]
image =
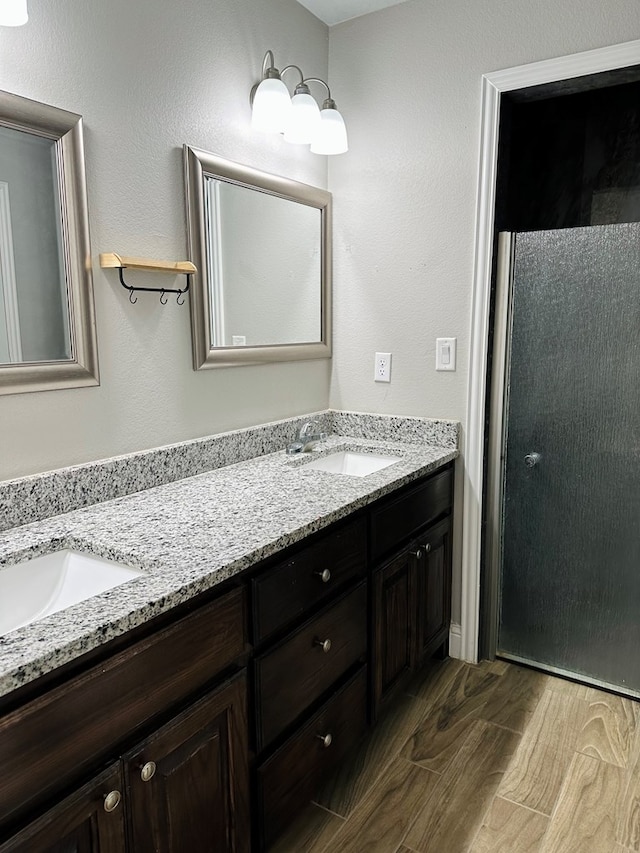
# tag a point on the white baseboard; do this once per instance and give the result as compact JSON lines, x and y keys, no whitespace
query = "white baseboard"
{"x":455,"y":641}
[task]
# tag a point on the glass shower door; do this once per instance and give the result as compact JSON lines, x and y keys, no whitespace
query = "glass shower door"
{"x":569,"y":598}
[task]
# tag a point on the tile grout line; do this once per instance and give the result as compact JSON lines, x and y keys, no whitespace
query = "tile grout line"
{"x":328,"y":811}
{"x":529,"y":808}
{"x":477,"y":718}
{"x":559,"y":799}
{"x":482,"y":822}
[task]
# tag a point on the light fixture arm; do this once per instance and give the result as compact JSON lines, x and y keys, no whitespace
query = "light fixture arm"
{"x":268,"y":63}
{"x":270,"y":72}
{"x":329,"y":103}
{"x":294,"y":67}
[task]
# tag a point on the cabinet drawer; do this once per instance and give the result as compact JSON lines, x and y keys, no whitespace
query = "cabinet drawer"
{"x":288,"y":590}
{"x":291,"y":777}
{"x":299,"y":670}
{"x":61,"y":735}
{"x":398,"y":519}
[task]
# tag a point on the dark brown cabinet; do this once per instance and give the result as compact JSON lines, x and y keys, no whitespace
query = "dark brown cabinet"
{"x":394,"y":600}
{"x":187,"y":783}
{"x":89,"y":821}
{"x":312,"y":574}
{"x":402,"y":544}
{"x":292,"y":774}
{"x":184,"y":787}
{"x":411,"y":590}
{"x":310,"y":683}
{"x":298,"y":671}
{"x":434,"y":591}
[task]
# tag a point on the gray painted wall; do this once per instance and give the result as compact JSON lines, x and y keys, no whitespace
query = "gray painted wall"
{"x":407,"y":79}
{"x":148,"y":77}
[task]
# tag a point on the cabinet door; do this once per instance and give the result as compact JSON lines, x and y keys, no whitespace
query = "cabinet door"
{"x":394,"y":619}
{"x":187,"y":784}
{"x":89,"y":821}
{"x":434,"y":588}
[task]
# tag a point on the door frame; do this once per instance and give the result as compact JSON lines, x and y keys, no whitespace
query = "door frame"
{"x":493,"y":85}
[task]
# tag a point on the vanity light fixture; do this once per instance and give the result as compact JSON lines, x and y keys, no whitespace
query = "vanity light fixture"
{"x":13,"y":13}
{"x":299,"y":118}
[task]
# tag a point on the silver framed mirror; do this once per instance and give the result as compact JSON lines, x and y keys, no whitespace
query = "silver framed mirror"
{"x":47,"y":317}
{"x":262,"y":247}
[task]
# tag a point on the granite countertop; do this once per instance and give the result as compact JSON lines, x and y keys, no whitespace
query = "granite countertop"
{"x":188,"y":536}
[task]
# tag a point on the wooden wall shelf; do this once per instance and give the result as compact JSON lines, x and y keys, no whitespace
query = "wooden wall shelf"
{"x":111,"y":260}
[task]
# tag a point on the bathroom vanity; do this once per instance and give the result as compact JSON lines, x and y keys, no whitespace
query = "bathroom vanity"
{"x":221,"y":707}
{"x":353,"y":613}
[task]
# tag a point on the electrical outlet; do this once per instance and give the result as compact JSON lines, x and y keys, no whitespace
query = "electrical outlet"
{"x":382,"y":372}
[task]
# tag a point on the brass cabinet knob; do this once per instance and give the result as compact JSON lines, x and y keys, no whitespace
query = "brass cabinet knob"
{"x":112,"y":801}
{"x":325,"y":645}
{"x":325,"y":575}
{"x":148,"y":771}
{"x":327,"y":740}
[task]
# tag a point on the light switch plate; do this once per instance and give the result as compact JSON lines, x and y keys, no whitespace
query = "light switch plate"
{"x":446,"y":353}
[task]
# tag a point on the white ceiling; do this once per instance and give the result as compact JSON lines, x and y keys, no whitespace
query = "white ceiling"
{"x":336,"y":11}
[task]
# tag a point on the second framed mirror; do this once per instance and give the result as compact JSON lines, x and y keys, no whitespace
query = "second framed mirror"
{"x":262,"y":246}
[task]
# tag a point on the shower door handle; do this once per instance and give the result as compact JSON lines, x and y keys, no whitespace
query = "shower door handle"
{"x":532,"y":459}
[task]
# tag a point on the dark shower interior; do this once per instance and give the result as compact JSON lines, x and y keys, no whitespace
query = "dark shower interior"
{"x":570,"y":158}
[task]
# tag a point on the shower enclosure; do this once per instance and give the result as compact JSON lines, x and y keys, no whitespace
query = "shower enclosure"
{"x":564,"y":534}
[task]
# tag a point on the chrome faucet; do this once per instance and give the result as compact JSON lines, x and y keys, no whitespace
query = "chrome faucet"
{"x":307,"y":435}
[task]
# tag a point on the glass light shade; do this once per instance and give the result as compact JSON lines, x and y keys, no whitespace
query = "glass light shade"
{"x":331,"y":136}
{"x":271,"y":106}
{"x":304,"y":120}
{"x":13,"y":13}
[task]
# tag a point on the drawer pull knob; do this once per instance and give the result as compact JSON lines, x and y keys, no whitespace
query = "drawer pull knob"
{"x":417,"y":554}
{"x":148,"y":771}
{"x":427,"y":547}
{"x":325,"y":575}
{"x":112,"y":801}
{"x":327,"y":740}
{"x":325,"y":645}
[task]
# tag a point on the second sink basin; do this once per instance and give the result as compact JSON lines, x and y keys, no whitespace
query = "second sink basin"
{"x":36,"y":588}
{"x":352,"y":463}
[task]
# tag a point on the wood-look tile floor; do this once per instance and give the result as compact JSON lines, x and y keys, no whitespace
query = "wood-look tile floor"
{"x":494,"y":758}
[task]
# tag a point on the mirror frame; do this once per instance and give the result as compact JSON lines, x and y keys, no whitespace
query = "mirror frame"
{"x":200,"y":165}
{"x":65,"y":129}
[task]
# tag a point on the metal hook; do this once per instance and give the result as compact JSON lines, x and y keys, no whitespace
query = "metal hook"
{"x":162,"y":291}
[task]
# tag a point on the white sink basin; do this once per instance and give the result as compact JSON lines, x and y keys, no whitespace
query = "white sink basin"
{"x":352,"y":463}
{"x":37,"y":588}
